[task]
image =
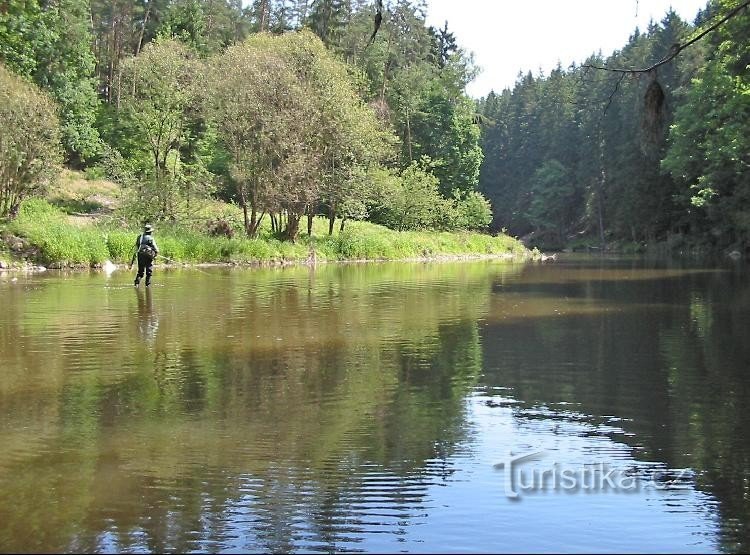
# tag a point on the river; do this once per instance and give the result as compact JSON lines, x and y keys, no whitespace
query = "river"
{"x":587,"y":405}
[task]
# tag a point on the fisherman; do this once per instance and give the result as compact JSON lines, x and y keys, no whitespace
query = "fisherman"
{"x":146,"y":252}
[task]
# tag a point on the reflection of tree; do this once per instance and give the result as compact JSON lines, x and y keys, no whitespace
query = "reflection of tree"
{"x":668,"y":355}
{"x":282,"y":409}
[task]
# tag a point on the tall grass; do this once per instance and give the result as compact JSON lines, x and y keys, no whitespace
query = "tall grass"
{"x":60,"y":241}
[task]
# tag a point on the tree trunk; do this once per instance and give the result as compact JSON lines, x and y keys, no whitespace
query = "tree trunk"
{"x":309,"y":223}
{"x":600,"y":194}
{"x":331,"y":218}
{"x":263,"y":17}
{"x":243,"y":203}
{"x":385,"y":67}
{"x":408,"y":135}
{"x":143,"y":30}
{"x":292,"y":227}
{"x":343,"y":221}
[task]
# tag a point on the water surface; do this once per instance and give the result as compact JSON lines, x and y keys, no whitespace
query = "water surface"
{"x":366,"y":408}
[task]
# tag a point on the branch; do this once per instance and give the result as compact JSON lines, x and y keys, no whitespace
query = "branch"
{"x":676,"y":48}
{"x":613,"y":93}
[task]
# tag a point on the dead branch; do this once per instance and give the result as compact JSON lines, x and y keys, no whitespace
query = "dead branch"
{"x":676,"y":48}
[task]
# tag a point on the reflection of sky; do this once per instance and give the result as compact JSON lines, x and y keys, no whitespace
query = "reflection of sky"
{"x":645,"y":521}
{"x":470,"y":512}
{"x":467,"y":509}
{"x":312,"y":433}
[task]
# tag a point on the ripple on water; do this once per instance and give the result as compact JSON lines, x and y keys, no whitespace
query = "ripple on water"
{"x":357,"y":409}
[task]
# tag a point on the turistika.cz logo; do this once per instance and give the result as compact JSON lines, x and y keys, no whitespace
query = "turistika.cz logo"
{"x":598,"y":477}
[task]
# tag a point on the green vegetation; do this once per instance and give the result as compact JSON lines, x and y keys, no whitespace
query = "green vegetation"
{"x":58,"y":241}
{"x":29,"y":142}
{"x":654,"y":158}
{"x":292,"y":114}
{"x":297,"y":111}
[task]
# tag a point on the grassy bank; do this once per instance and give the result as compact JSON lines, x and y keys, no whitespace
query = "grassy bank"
{"x":49,"y":237}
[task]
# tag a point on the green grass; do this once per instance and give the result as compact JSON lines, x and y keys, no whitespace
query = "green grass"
{"x":61,"y":242}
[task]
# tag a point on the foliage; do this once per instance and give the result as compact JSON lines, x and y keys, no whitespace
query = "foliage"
{"x":29,"y":142}
{"x":159,"y":94}
{"x":413,"y":201}
{"x":293,"y":109}
{"x":293,"y":125}
{"x":51,"y":43}
{"x":474,"y":211}
{"x":578,"y":153}
{"x":23,"y":35}
{"x":60,"y":242}
{"x":710,"y":140}
{"x":553,"y":193}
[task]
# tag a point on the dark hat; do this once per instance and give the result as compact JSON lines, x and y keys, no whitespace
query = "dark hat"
{"x":147,"y":228}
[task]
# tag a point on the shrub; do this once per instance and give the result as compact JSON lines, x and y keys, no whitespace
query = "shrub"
{"x":30,"y":148}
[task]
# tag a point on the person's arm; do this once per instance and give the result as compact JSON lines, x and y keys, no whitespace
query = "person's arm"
{"x":153,"y":242}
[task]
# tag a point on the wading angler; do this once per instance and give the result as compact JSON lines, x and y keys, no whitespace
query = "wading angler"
{"x":146,"y":252}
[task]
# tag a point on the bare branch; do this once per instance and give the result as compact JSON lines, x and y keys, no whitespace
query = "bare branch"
{"x":614,"y":92}
{"x":676,"y":48}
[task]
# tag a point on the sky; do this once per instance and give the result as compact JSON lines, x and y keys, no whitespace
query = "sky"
{"x":508,"y":36}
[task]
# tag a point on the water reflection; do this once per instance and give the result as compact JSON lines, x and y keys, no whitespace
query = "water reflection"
{"x":667,"y":356}
{"x":148,"y":320}
{"x":364,"y":407}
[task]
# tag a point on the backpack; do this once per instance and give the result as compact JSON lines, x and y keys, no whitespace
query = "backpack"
{"x":146,"y":248}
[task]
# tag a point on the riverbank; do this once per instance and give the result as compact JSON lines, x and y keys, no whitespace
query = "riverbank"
{"x":44,"y":236}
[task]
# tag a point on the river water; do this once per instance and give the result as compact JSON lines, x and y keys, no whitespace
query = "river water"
{"x":378,"y":407}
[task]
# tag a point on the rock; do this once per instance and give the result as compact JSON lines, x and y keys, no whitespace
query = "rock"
{"x":735,"y":255}
{"x":4,"y":265}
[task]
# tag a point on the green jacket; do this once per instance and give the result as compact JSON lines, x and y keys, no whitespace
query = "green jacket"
{"x":146,"y":240}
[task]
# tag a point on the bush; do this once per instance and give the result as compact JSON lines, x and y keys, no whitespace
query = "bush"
{"x":95,"y":173}
{"x":30,"y":150}
{"x":57,"y":241}
{"x":474,"y":211}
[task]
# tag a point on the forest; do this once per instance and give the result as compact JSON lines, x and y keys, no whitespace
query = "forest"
{"x":288,"y":110}
{"x":357,"y":110}
{"x":591,"y":156}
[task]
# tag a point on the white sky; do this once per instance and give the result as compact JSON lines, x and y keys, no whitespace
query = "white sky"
{"x":508,"y":36}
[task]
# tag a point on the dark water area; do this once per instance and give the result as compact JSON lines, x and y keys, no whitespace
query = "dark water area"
{"x":378,"y":407}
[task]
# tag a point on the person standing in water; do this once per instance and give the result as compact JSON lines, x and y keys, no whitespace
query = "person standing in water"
{"x":146,"y":252}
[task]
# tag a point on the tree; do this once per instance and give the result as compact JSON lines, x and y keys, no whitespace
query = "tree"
{"x":186,"y":21}
{"x":445,"y":130}
{"x":23,"y":34}
{"x":29,"y":143}
{"x":297,"y":132}
{"x":158,"y":94}
{"x":355,"y":142}
{"x":445,"y":45}
{"x":553,"y":200}
{"x":474,"y":211}
{"x":710,"y":139}
{"x":327,"y":19}
{"x":67,"y":71}
{"x":52,"y":44}
{"x":266,"y":120}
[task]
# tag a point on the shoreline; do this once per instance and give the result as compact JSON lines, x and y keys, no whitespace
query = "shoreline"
{"x":29,"y":268}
